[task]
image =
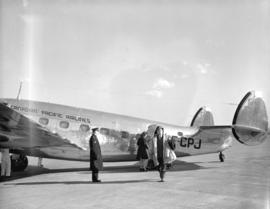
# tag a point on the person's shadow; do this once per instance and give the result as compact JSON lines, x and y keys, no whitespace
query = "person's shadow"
{"x":82,"y":182}
{"x":177,"y":166}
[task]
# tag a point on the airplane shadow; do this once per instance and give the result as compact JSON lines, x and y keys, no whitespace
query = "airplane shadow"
{"x":209,"y":162}
{"x":34,"y":170}
{"x":179,"y":165}
{"x":83,"y":182}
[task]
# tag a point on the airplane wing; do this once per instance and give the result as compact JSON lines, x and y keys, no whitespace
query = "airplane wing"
{"x":22,"y":135}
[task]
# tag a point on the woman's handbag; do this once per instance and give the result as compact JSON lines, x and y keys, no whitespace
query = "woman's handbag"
{"x":172,"y":156}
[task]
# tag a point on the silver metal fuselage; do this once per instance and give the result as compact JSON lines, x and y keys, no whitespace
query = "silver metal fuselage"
{"x":118,"y":133}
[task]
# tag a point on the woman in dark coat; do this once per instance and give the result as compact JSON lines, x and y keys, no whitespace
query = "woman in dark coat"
{"x":96,"y":163}
{"x":142,"y":153}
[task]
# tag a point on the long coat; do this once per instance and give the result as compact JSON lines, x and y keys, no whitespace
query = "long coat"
{"x":96,"y":162}
{"x":142,"y":152}
{"x":167,"y":151}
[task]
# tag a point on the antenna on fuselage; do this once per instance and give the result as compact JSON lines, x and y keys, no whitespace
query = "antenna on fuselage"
{"x":19,"y":92}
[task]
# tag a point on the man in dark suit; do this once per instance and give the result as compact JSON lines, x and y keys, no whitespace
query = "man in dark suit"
{"x":96,"y":163}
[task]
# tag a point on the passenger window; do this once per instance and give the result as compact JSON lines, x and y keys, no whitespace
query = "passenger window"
{"x":180,"y":133}
{"x":124,"y":134}
{"x":105,"y":131}
{"x":44,"y":121}
{"x":84,"y":128}
{"x":64,"y":124}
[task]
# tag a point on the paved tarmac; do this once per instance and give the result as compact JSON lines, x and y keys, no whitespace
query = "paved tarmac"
{"x":242,"y":181}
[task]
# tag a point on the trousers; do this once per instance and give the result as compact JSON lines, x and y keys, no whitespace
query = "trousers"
{"x":161,"y":168}
{"x":94,"y":175}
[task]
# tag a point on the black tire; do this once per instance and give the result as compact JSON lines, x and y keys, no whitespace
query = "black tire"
{"x":19,"y":164}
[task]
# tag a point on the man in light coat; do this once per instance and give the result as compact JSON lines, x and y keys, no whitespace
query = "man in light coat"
{"x":162,"y":151}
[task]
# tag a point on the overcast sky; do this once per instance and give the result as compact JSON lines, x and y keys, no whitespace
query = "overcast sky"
{"x":159,"y":60}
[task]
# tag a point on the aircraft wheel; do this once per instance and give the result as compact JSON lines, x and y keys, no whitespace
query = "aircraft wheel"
{"x":18,"y":162}
{"x":221,"y":157}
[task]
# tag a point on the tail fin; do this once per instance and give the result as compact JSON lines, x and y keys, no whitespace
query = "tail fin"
{"x":250,"y":122}
{"x":203,"y":117}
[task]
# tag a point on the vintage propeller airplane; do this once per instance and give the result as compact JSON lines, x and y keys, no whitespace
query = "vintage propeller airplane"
{"x":46,"y":130}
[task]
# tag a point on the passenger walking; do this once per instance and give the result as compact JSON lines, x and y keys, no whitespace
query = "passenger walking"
{"x":142,"y":153}
{"x":5,"y":163}
{"x":96,"y":163}
{"x":162,"y":151}
{"x":152,"y":144}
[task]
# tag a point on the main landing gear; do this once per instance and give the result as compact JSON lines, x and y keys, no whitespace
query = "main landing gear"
{"x":18,"y":162}
{"x":221,"y":157}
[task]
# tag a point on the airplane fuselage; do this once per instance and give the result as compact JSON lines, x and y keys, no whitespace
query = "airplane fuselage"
{"x":118,"y":133}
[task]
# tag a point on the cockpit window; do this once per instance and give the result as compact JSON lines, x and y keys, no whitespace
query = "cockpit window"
{"x":64,"y":124}
{"x":44,"y":121}
{"x":84,"y":127}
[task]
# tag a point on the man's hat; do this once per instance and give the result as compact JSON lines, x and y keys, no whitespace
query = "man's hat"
{"x":95,"y":129}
